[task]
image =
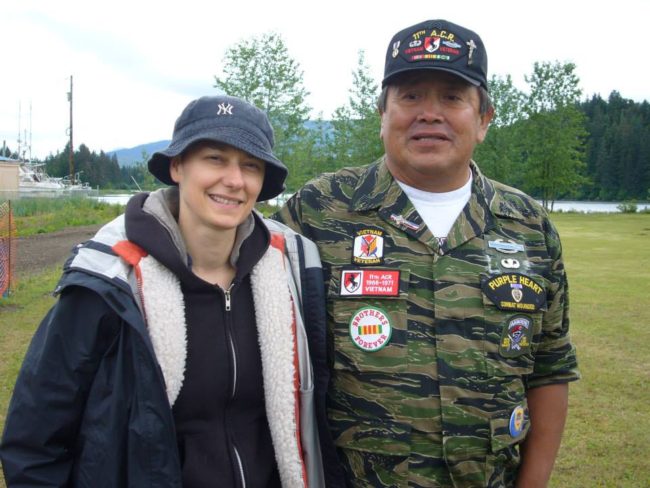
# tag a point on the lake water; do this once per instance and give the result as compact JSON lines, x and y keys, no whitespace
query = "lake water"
{"x":563,"y":206}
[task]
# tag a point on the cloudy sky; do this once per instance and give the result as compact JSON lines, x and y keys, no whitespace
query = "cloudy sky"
{"x":136,"y":64}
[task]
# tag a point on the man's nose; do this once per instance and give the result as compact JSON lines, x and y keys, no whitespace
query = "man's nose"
{"x":430,"y":110}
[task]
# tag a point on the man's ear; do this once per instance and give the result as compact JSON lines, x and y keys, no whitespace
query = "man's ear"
{"x":486,"y":118}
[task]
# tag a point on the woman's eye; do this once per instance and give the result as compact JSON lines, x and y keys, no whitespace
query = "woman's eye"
{"x":253,"y":166}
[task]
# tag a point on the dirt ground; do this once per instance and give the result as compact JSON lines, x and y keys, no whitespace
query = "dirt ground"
{"x":42,"y":251}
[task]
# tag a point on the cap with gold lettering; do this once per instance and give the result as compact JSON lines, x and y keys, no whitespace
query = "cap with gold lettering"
{"x":437,"y":45}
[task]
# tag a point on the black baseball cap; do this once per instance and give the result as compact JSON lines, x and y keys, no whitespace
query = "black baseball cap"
{"x":437,"y":45}
{"x":229,"y":120}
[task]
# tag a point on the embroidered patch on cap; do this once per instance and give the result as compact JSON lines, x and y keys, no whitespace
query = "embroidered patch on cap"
{"x":517,"y":421}
{"x":516,"y":336}
{"x":368,"y":247}
{"x":370,"y":282}
{"x":514,"y":292}
{"x":225,"y":109}
{"x":432,"y":44}
{"x":370,"y":329}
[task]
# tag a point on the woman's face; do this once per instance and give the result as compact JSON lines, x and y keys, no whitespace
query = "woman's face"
{"x":218,"y":185}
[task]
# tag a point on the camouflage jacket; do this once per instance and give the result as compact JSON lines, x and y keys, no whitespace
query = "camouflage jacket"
{"x":434,"y":342}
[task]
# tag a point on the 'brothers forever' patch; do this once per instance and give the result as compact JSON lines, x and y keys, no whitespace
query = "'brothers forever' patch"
{"x":370,"y":329}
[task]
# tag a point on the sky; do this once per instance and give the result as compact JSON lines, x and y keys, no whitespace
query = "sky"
{"x":136,"y":64}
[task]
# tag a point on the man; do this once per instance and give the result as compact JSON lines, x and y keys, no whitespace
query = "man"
{"x":447,"y":296}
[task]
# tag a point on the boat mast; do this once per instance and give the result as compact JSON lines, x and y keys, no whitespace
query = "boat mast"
{"x":70,"y":133}
{"x":29,"y":147}
{"x":19,"y":141}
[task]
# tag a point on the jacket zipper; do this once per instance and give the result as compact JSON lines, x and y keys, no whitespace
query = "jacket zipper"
{"x":228,"y":305}
{"x":240,"y":466}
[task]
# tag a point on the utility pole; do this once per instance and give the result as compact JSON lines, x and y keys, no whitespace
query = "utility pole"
{"x":70,"y":133}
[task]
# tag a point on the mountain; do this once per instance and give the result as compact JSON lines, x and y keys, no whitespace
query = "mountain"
{"x":133,"y":155}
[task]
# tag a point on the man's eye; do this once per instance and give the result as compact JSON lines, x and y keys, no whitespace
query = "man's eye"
{"x":411,"y":96}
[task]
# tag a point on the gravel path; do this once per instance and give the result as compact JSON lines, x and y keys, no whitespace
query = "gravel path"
{"x":42,"y":251}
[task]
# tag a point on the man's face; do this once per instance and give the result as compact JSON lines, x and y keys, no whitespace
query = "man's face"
{"x":430,"y":127}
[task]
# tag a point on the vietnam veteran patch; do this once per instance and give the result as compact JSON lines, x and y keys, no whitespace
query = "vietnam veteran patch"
{"x":370,"y":329}
{"x":368,"y":247}
{"x":516,"y":336}
{"x":514,"y":291}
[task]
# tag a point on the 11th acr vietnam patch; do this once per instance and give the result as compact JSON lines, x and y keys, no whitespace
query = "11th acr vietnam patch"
{"x":359,"y":282}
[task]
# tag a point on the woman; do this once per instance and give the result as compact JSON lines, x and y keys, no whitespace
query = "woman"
{"x":177,"y":354}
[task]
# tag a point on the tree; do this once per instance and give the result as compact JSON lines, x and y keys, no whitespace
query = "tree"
{"x":137,"y":175}
{"x":95,"y":169}
{"x":355,"y":136}
{"x":554,"y":132}
{"x":500,"y":153}
{"x":261,"y":71}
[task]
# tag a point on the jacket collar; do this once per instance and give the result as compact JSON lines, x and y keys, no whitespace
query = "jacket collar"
{"x":377,"y":190}
{"x":151,"y":222}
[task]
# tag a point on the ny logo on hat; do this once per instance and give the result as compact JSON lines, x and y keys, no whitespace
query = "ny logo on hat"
{"x":225,"y":109}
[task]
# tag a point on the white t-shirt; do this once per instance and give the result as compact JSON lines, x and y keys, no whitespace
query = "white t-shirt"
{"x":439,"y":210}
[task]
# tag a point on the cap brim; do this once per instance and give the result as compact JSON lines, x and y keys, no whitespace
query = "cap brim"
{"x":391,"y":76}
{"x":275,"y":171}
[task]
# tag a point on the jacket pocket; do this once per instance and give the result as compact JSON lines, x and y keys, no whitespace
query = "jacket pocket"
{"x":369,"y":332}
{"x":511,"y":339}
{"x":506,"y":433}
{"x":375,"y":451}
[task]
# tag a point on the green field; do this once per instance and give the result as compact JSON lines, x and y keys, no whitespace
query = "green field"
{"x":42,"y":215}
{"x":607,"y":439}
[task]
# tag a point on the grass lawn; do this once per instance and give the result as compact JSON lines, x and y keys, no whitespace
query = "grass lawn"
{"x":607,"y":440}
{"x":42,"y":215}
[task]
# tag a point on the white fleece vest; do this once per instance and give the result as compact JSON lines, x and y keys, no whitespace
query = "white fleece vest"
{"x":164,"y":312}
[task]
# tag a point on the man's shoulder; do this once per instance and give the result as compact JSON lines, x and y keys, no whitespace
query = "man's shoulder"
{"x":348,"y":177}
{"x":508,"y":201}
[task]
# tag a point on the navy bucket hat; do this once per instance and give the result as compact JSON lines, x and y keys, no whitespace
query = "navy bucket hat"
{"x":228,"y":120}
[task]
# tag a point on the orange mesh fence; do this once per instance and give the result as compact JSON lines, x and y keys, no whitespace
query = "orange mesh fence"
{"x":7,"y":247}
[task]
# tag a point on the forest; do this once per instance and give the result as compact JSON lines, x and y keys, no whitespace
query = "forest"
{"x":549,"y":140}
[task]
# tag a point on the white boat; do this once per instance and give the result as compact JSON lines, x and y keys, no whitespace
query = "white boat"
{"x":32,"y":178}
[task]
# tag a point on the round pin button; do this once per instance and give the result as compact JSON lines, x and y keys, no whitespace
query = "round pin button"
{"x":517,"y":421}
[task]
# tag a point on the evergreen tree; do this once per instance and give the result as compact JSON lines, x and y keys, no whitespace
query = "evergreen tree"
{"x":618,"y":148}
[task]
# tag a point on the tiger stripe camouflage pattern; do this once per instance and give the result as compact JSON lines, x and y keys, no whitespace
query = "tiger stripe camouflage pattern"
{"x":434,"y":406}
